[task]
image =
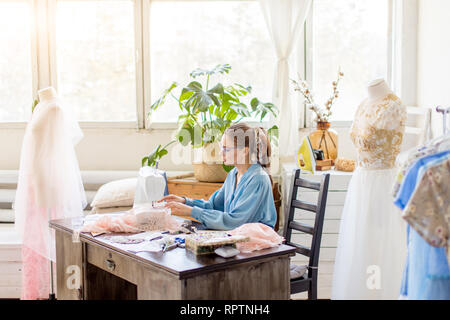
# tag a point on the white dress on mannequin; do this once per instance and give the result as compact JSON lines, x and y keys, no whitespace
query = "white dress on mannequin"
{"x":372,"y":240}
{"x":49,"y":188}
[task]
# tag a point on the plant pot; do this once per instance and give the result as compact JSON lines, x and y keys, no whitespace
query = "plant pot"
{"x":325,"y":139}
{"x":206,"y":172}
{"x":208,"y":164}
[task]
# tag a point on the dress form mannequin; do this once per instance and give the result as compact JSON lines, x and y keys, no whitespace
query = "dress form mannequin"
{"x":372,"y":232}
{"x":47,"y":94}
{"x":49,"y":188}
{"x":378,"y":89}
{"x":45,"y":123}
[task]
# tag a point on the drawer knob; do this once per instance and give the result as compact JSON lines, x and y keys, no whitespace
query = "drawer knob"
{"x":110,"y":264}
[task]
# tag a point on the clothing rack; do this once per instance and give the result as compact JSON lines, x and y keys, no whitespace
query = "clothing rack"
{"x":445,"y":111}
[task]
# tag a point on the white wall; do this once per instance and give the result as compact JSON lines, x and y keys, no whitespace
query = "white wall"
{"x":100,"y":149}
{"x":122,"y":149}
{"x":433,"y":75}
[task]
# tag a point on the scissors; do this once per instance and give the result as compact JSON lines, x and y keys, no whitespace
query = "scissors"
{"x":179,"y":242}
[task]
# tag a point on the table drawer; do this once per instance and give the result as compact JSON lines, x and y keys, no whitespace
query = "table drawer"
{"x":194,"y":190}
{"x":113,"y":262}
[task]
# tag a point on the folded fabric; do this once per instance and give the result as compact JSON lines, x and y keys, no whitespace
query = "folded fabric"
{"x":261,"y":237}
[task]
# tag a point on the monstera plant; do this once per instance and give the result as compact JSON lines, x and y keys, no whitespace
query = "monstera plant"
{"x":155,"y":156}
{"x":209,"y":109}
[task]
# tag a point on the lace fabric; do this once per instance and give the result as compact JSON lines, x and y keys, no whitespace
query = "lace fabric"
{"x":35,"y":275}
{"x":377,"y":132}
{"x":139,"y":219}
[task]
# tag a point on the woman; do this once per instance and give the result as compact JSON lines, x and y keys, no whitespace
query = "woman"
{"x":246,"y":196}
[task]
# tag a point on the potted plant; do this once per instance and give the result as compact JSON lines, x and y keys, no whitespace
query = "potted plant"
{"x":323,"y":138}
{"x":207,"y":111}
{"x":152,"y":160}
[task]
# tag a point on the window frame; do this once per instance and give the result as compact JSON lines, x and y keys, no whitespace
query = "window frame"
{"x":138,"y":30}
{"x":401,"y":37}
{"x":401,"y":67}
{"x":44,"y":64}
{"x":143,"y":71}
{"x":147,"y":72}
{"x":34,"y":61}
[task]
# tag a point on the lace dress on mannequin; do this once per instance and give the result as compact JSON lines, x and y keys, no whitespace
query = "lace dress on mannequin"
{"x":371,"y":246}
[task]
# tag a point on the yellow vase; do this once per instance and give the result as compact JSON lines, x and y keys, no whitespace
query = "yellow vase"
{"x":325,"y":139}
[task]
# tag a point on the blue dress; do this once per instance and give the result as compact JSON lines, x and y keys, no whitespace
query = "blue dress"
{"x":229,"y":207}
{"x":427,"y":273}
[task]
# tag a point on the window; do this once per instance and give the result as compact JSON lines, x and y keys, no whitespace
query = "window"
{"x":352,"y":34}
{"x":95,"y":53}
{"x":15,"y":61}
{"x":111,"y":58}
{"x":185,"y":35}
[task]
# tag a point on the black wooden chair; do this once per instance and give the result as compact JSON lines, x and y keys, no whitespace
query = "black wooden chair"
{"x":307,"y":282}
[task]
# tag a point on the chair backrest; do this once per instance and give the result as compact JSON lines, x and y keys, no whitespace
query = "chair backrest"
{"x":318,"y":209}
{"x":418,"y":127}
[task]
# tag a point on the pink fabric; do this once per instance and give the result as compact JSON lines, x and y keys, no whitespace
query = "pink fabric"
{"x":35,"y":275}
{"x":129,"y":223}
{"x":37,"y":248}
{"x":125,"y":223}
{"x":261,"y":237}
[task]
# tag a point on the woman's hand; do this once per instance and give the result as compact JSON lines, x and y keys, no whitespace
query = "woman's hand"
{"x":173,"y":198}
{"x":179,"y":209}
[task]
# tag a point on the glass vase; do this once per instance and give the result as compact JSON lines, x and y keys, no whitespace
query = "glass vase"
{"x":325,"y":139}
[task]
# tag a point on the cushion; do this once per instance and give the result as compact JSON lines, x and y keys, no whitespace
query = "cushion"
{"x":119,"y":193}
{"x":297,"y":271}
{"x":96,"y":210}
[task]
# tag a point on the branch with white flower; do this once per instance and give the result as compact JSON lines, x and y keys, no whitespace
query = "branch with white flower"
{"x":322,"y":114}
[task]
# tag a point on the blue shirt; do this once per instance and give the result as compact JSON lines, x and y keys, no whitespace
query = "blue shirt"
{"x":229,"y":207}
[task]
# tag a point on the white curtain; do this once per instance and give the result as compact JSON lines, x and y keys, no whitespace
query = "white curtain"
{"x":285,"y":20}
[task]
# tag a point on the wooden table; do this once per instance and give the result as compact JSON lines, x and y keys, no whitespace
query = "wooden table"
{"x":89,"y":268}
